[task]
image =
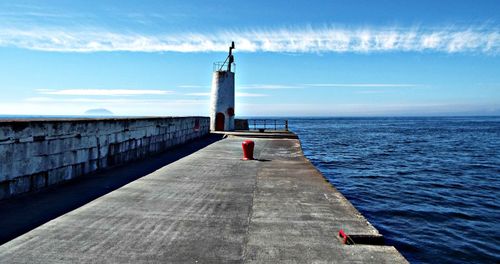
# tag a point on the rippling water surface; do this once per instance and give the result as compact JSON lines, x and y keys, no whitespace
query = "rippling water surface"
{"x":431,"y":186}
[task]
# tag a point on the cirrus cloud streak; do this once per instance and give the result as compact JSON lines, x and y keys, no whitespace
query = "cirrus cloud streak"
{"x":103,"y":92}
{"x":479,"y":39}
{"x":238,"y":94}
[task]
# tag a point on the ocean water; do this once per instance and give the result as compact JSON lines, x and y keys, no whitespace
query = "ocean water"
{"x":431,"y":186}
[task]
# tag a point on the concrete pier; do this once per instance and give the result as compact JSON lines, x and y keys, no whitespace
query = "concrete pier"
{"x":211,"y":207}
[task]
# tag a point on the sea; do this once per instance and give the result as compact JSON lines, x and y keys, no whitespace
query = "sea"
{"x":430,"y":185}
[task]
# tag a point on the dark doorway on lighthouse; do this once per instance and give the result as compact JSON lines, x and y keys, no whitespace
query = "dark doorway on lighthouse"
{"x":219,"y":122}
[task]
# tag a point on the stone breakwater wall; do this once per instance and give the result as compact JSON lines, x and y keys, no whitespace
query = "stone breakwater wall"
{"x":35,"y":154}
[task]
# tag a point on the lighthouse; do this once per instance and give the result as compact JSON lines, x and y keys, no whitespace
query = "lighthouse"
{"x":222,"y":96}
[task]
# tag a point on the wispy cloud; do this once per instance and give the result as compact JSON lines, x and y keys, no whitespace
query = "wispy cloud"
{"x":103,"y":92}
{"x":238,"y":94}
{"x":306,"y":85}
{"x":480,"y":39}
{"x":371,"y":91}
{"x":268,"y":86}
{"x":134,"y":106}
{"x":363,"y":85}
{"x":57,"y":105}
{"x":326,"y":85}
{"x":192,"y":86}
{"x":198,"y":94}
{"x":369,"y":109}
{"x":106,"y":100}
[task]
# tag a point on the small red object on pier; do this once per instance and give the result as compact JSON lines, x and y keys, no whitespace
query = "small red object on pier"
{"x":343,"y":235}
{"x":248,"y":149}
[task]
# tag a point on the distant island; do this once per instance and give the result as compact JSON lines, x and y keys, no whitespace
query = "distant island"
{"x":98,"y":112}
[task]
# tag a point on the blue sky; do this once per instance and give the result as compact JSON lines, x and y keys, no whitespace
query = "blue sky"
{"x":294,"y":58}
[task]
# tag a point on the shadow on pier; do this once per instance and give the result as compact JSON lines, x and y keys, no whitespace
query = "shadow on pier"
{"x":26,"y":212}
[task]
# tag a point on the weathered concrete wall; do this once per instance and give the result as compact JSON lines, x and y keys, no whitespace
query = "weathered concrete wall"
{"x":37,"y":153}
{"x":241,"y":124}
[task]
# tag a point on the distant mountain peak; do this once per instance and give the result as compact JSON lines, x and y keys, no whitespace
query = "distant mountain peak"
{"x":99,"y":112}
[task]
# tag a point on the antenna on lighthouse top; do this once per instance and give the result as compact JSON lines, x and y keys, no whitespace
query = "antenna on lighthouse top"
{"x":229,"y":60}
{"x":230,"y":56}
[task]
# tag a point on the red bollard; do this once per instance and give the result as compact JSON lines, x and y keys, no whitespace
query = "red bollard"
{"x":343,"y":235}
{"x":248,"y":149}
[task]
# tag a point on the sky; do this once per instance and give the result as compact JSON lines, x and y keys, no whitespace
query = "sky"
{"x":293,"y":58}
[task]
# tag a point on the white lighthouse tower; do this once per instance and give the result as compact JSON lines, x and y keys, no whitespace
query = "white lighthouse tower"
{"x":222,"y":100}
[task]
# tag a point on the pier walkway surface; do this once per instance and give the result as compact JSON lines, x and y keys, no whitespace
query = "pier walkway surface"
{"x":211,"y":207}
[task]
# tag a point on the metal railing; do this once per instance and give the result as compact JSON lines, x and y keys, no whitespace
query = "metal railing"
{"x":221,"y":66}
{"x":268,"y":124}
